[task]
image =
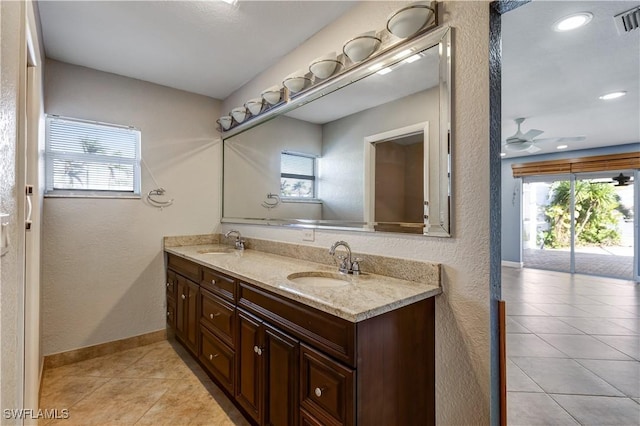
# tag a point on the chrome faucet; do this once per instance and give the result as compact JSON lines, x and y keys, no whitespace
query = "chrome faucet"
{"x":347,"y":266}
{"x":239,"y":240}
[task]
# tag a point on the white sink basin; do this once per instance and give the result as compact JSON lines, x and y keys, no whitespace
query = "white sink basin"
{"x":216,"y":251}
{"x":319,"y":279}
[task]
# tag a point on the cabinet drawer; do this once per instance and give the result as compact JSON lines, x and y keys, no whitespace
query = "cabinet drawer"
{"x":217,"y":315}
{"x":185,"y":267}
{"x":326,"y":388}
{"x":171,"y":313}
{"x":307,"y":419}
{"x":217,"y":358}
{"x":331,"y":334}
{"x":219,"y":284}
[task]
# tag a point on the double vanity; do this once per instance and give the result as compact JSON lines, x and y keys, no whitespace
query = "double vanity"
{"x":293,"y":341}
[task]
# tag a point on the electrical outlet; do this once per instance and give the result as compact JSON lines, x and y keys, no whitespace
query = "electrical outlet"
{"x":308,"y":235}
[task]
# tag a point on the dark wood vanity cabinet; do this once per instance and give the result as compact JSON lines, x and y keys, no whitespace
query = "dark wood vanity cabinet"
{"x":287,"y":364}
{"x":267,"y":372}
{"x":187,"y":312}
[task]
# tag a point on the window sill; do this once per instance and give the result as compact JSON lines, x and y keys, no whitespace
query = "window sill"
{"x":92,"y":194}
{"x":301,"y":200}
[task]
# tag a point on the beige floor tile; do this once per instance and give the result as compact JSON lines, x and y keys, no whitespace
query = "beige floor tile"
{"x":62,"y":392}
{"x":120,"y":401}
{"x":158,"y":384}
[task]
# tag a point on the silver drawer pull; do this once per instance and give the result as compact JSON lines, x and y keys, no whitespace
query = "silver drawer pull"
{"x":183,"y":297}
{"x":318,"y":392}
{"x":213,"y":282}
{"x":212,"y":316}
{"x":168,"y":313}
{"x":213,"y":356}
{"x":256,"y":349}
{"x":168,"y":285}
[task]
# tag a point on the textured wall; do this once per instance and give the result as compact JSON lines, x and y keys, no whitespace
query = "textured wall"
{"x":253,"y":168}
{"x":11,"y":278}
{"x":462,"y":312}
{"x":102,"y":259}
{"x":512,"y":193}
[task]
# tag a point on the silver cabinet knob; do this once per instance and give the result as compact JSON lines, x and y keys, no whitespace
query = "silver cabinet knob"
{"x":212,"y":316}
{"x":183,"y":297}
{"x":213,"y":356}
{"x":318,"y":392}
{"x":168,"y":285}
{"x":213,"y":282}
{"x":168,"y":313}
{"x":256,"y":349}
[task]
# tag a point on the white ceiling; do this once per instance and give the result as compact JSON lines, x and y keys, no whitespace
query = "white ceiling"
{"x":554,"y":79}
{"x":205,"y":47}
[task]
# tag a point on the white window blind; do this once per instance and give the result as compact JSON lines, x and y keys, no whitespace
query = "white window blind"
{"x":91,"y":159}
{"x":297,"y":175}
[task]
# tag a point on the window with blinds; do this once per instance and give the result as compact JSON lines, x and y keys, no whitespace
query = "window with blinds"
{"x":297,"y":175}
{"x":91,"y":159}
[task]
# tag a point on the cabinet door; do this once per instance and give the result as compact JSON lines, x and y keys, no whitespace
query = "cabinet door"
{"x":249,"y":383}
{"x":186,"y":313}
{"x":281,"y":378}
{"x":192,"y":316}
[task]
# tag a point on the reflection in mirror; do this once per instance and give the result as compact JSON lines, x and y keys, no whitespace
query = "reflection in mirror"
{"x":356,"y":158}
{"x":394,"y":187}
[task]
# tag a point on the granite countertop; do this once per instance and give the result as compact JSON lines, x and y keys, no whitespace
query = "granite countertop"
{"x":363,"y":297}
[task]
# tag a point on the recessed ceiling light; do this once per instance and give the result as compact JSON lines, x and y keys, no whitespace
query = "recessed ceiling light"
{"x":612,"y":95}
{"x":562,"y":146}
{"x":375,"y":67}
{"x":231,"y":2}
{"x":572,"y":22}
{"x":503,"y":154}
{"x":384,"y":71}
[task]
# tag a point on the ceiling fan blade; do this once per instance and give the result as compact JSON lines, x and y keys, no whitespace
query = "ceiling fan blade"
{"x":572,"y":139}
{"x":532,"y":134}
{"x":561,"y":140}
{"x":518,"y":146}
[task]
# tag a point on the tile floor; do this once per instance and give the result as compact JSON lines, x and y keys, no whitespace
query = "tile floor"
{"x":157,"y":384}
{"x":573,"y":349}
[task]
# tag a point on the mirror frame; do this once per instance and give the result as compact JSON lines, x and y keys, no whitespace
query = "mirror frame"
{"x":437,"y":179}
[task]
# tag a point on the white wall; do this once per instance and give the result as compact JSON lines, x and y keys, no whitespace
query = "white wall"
{"x":102,"y":261}
{"x":462,"y":312}
{"x":252,"y":169}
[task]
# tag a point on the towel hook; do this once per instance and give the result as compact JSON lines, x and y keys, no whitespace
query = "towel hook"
{"x":158,"y":192}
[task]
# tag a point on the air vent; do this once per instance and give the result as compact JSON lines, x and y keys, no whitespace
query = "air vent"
{"x":628,"y":21}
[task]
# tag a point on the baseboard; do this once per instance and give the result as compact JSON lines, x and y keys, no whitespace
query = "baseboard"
{"x":83,"y":354}
{"x":509,"y":264}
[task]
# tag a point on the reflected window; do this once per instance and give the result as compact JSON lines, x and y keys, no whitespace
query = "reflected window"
{"x":297,"y":175}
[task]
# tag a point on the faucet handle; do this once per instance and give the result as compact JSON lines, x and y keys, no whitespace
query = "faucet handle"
{"x":355,"y":265}
{"x":344,"y":266}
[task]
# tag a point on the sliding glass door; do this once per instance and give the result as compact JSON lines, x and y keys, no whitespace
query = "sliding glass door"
{"x":545,"y":241}
{"x":604,"y":224}
{"x":582,"y":223}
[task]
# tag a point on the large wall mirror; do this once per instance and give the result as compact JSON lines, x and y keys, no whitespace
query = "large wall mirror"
{"x":370,"y":150}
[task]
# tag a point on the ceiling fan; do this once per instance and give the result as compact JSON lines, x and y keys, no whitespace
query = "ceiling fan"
{"x":622,"y":180}
{"x":526,"y":142}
